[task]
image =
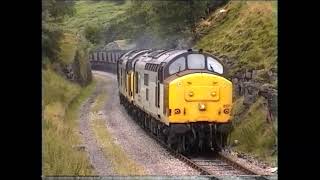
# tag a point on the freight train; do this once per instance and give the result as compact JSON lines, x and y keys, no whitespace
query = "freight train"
{"x":181,"y":96}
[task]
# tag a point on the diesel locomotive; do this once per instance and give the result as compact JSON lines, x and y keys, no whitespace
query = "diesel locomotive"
{"x":181,"y":96}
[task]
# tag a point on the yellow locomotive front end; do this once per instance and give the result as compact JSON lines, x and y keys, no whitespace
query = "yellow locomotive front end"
{"x":199,"y":97}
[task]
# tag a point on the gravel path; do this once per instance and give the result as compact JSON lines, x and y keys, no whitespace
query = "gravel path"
{"x":96,"y":156}
{"x":126,"y":133}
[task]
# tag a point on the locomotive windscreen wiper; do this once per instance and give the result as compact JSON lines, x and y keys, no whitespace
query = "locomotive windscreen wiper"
{"x":178,"y":71}
{"x":211,"y":68}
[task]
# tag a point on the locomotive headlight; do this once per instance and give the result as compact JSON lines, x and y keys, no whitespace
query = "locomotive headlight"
{"x":190,"y":93}
{"x":202,"y":107}
{"x":213,"y":93}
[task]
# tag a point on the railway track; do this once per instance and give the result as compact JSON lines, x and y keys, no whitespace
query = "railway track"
{"x":215,"y":166}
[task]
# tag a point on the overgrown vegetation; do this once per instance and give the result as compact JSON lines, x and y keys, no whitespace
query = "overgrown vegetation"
{"x":246,"y":33}
{"x":61,"y":97}
{"x":160,"y":24}
{"x":149,"y":23}
{"x":253,"y":133}
{"x":91,"y":18}
{"x":61,"y":100}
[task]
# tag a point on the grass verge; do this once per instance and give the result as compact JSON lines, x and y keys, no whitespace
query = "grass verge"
{"x":254,"y":134}
{"x":62,"y":100}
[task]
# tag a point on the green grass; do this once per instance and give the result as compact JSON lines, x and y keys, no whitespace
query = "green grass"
{"x":254,"y":134}
{"x":94,"y":12}
{"x":247,"y":33}
{"x":62,"y":100}
{"x":57,"y":89}
{"x":100,"y":101}
{"x":68,"y":47}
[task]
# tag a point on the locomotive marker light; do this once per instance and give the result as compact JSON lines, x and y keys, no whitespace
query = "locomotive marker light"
{"x":226,"y":111}
{"x":177,"y":111}
{"x":202,"y":107}
{"x":190,"y":93}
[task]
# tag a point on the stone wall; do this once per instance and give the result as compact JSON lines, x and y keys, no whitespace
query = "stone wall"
{"x":72,"y":73}
{"x":250,"y":85}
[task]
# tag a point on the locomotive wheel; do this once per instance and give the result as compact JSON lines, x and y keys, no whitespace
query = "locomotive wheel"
{"x":172,"y":142}
{"x":182,"y":145}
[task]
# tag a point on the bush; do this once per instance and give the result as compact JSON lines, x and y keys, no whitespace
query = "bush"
{"x":93,"y":33}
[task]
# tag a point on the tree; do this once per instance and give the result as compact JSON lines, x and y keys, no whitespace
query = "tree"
{"x":93,"y":34}
{"x":53,"y":13}
{"x":171,"y":20}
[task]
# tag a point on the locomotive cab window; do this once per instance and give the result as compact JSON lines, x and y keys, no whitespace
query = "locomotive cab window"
{"x":214,"y":65}
{"x":196,"y":61}
{"x":146,"y":79}
{"x":136,"y":81}
{"x":147,"y":94}
{"x":177,"y":65}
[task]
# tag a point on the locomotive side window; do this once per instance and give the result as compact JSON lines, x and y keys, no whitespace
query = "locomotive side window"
{"x":109,"y":57}
{"x":214,"y":65}
{"x":146,"y":79}
{"x":196,"y":61}
{"x":139,"y":82}
{"x":121,"y":77}
{"x":136,"y":81}
{"x":160,"y":72}
{"x":147,"y":94}
{"x":177,"y":65}
{"x":95,"y":56}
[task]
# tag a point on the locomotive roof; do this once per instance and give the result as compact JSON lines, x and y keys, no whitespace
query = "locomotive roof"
{"x":154,"y":56}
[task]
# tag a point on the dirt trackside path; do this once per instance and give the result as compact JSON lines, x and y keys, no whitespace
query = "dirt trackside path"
{"x":100,"y":164}
{"x":115,"y":144}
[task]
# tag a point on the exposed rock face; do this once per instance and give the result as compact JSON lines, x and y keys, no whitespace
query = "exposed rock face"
{"x":69,"y":72}
{"x":271,"y":95}
{"x":247,"y":84}
{"x":73,"y":73}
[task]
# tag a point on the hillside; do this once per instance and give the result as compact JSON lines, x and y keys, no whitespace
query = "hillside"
{"x":244,"y":35}
{"x":245,"y":32}
{"x":97,"y":13}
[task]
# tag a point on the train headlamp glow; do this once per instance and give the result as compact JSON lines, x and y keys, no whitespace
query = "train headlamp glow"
{"x":190,"y":93}
{"x":202,"y":107}
{"x":213,"y":93}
